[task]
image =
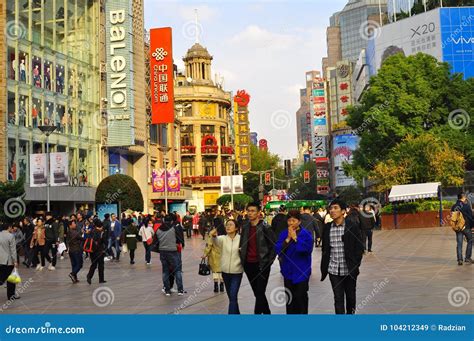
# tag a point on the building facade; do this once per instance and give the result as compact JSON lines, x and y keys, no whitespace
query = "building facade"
{"x":205,"y":136}
{"x":52,"y":64}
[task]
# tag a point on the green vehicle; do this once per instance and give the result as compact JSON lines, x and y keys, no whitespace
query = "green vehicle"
{"x":295,"y":204}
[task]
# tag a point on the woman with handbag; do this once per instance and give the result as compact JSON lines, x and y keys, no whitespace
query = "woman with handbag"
{"x":213,"y":253}
{"x":146,"y":232}
{"x":231,"y":266}
{"x":130,"y":236}
{"x":38,"y":244}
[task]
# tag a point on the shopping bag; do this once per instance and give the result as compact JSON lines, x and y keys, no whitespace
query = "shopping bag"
{"x":14,"y":277}
{"x":61,"y":248}
{"x":125,"y":248}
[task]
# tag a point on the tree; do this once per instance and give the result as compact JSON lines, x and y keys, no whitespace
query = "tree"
{"x":12,"y":200}
{"x":121,"y":189}
{"x":240,"y":200}
{"x":410,"y":96}
{"x":425,"y":158}
{"x":305,"y":191}
{"x":261,"y":160}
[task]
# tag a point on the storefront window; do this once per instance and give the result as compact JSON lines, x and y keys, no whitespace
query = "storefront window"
{"x":209,"y":168}
{"x":36,"y":76}
{"x":23,"y":67}
{"x":60,"y":119}
{"x":187,"y":167}
{"x":12,"y":175}
{"x":11,"y":108}
{"x":36,"y":113}
{"x":12,"y":64}
{"x":60,"y":79}
{"x":23,"y":109}
{"x":23,"y":158}
{"x":49,"y":108}
{"x":83,"y":179}
{"x":48,"y":67}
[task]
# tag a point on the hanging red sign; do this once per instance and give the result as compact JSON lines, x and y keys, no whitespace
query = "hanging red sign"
{"x":161,"y":76}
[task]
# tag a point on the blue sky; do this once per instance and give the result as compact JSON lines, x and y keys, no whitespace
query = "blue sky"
{"x":264,"y":47}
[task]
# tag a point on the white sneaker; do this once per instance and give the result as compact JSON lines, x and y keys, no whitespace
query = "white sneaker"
{"x":163,"y":290}
{"x":51,"y":268}
{"x":173,"y":290}
{"x":62,"y":257}
{"x":106,"y":259}
{"x":38,"y":267}
{"x":148,"y":263}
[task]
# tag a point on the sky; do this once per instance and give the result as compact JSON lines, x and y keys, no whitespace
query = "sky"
{"x":264,"y":47}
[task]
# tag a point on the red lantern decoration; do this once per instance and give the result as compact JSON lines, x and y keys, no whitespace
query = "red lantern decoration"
{"x":344,"y":99}
{"x":343,"y":86}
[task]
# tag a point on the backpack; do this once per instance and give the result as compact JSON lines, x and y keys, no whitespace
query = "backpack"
{"x":89,"y":245}
{"x":456,"y":221}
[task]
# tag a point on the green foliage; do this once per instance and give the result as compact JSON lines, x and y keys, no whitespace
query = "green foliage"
{"x":261,"y":160}
{"x":240,"y":200}
{"x":10,"y":190}
{"x":122,"y":189}
{"x":412,"y":96}
{"x":417,"y":206}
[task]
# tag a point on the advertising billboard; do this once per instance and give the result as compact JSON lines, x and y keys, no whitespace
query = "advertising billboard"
{"x":161,"y":74}
{"x":444,"y":33}
{"x":119,"y":57}
{"x":343,"y":150}
{"x":457,"y":36}
{"x":38,"y":176}
{"x":59,"y":169}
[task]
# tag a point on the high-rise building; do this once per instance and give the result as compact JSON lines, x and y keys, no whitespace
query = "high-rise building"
{"x":400,"y":9}
{"x":206,"y":151}
{"x":303,"y":121}
{"x":52,"y":64}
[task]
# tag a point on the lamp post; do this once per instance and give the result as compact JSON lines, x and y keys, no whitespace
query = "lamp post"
{"x":47,"y":130}
{"x":165,"y":150}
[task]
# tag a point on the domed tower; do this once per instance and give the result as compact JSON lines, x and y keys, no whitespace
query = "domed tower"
{"x":198,"y":64}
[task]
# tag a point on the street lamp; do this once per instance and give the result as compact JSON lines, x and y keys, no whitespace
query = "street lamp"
{"x":47,"y":130}
{"x":165,"y":150}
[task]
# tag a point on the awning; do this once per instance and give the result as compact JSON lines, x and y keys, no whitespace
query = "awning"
{"x":414,"y":191}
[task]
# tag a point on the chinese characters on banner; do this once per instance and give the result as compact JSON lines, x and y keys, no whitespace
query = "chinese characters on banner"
{"x":242,"y":130}
{"x":161,"y":71}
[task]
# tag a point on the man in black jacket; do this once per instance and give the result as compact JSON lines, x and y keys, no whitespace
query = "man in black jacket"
{"x":52,"y":234}
{"x":309,"y":222}
{"x":342,"y":251}
{"x":98,"y":253}
{"x":367,"y":224}
{"x":463,"y":206}
{"x":257,"y":253}
{"x":280,"y":221}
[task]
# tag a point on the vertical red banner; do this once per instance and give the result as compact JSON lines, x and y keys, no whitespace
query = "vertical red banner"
{"x":161,"y":75}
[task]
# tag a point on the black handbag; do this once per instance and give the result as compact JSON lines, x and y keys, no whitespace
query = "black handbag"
{"x":204,"y":269}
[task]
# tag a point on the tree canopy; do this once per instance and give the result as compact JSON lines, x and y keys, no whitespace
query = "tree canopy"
{"x":412,"y":100}
{"x":121,"y":189}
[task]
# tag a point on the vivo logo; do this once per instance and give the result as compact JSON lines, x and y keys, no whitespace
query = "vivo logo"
{"x":462,"y":40}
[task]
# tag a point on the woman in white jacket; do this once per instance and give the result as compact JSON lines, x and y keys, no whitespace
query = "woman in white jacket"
{"x":146,"y":233}
{"x":231,"y":266}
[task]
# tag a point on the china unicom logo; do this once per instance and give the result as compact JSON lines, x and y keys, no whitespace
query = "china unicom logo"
{"x":159,"y":53}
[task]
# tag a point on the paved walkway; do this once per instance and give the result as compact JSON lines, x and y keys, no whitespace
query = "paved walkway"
{"x":410,"y":272}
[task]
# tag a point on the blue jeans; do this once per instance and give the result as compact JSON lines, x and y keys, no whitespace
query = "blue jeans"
{"x":171,"y":264}
{"x":459,"y":238}
{"x":232,"y":286}
{"x":76,"y":262}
